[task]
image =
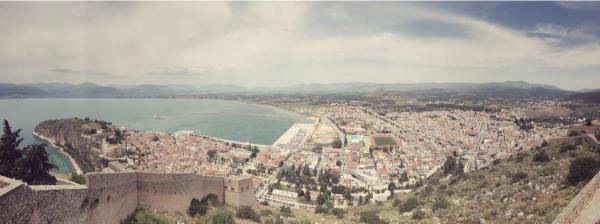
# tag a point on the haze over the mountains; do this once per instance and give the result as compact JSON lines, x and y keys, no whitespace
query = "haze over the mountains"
{"x":92,"y":90}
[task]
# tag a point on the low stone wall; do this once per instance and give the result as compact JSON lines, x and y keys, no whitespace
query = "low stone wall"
{"x":585,"y":207}
{"x":107,"y":197}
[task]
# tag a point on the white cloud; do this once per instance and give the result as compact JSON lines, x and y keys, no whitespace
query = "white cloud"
{"x":277,"y":44}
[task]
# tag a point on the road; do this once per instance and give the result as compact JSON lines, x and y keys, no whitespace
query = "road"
{"x":472,"y":162}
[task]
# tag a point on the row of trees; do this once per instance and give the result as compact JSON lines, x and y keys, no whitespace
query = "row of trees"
{"x":29,"y":164}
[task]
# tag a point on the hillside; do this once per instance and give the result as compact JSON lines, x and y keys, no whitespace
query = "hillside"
{"x":81,"y":138}
{"x":512,"y":89}
{"x":516,"y":190}
{"x":587,"y":97}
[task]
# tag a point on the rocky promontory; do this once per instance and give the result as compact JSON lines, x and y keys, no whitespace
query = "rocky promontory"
{"x":82,"y":139}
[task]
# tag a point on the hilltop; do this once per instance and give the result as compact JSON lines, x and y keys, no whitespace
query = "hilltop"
{"x":82,"y":139}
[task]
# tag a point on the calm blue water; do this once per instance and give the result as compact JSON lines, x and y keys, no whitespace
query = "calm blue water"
{"x":218,"y":118}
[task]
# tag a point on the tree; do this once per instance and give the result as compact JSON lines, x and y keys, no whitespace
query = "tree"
{"x":34,"y":166}
{"x":247,"y":212}
{"x":452,"y":166}
{"x":368,"y":198}
{"x":337,"y":143}
{"x":307,"y":196}
{"x":212,"y":154}
{"x":9,"y":151}
{"x":196,"y":207}
{"x":254,"y":152}
{"x":211,"y":199}
{"x":321,"y":199}
{"x":338,"y":163}
{"x":392,"y":187}
{"x":403,"y":177}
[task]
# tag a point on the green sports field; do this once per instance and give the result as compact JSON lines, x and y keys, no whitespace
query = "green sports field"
{"x":384,"y":141}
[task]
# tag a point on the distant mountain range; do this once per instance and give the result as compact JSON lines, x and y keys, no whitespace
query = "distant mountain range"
{"x":91,"y":90}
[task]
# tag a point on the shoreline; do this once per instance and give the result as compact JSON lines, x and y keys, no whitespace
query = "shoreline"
{"x":72,"y":161}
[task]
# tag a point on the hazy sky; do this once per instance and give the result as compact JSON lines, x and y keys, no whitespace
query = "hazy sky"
{"x":277,"y":44}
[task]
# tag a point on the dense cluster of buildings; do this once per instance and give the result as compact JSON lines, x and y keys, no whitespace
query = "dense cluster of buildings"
{"x":418,"y":145}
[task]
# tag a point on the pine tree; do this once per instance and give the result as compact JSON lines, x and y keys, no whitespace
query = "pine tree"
{"x":34,"y":166}
{"x":9,"y":150}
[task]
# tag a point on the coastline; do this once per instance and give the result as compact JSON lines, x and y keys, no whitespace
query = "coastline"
{"x":74,"y":164}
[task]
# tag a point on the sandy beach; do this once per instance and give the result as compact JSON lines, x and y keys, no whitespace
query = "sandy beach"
{"x":62,"y":151}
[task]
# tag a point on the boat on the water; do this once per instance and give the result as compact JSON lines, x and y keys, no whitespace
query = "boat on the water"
{"x":159,"y":117}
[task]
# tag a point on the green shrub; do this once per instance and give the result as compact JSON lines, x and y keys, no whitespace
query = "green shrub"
{"x":573,"y":133}
{"x":440,"y":203}
{"x":545,"y":143}
{"x":408,"y":205}
{"x":520,"y":156}
{"x":582,"y":169}
{"x":144,"y":215}
{"x":321,"y":209}
{"x":247,"y":212}
{"x":286,"y":211}
{"x":77,"y":178}
{"x":211,"y":199}
{"x":418,"y":214}
{"x":518,"y":176}
{"x":338,"y":212}
{"x":265,"y":213}
{"x":200,"y":207}
{"x":541,"y":156}
{"x":370,"y":217}
{"x":567,"y":147}
{"x":197,"y":208}
{"x":216,"y":216}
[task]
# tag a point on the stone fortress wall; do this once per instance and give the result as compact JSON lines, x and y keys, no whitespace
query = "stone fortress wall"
{"x":108,"y":197}
{"x":173,"y":192}
{"x":239,"y":192}
{"x":584,"y":207}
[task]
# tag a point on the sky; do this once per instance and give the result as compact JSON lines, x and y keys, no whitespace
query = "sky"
{"x":288,"y":43}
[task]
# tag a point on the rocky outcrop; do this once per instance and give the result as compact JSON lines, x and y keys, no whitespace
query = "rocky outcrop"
{"x":81,"y":138}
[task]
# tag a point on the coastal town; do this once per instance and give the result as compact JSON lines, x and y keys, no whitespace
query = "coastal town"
{"x":346,"y":154}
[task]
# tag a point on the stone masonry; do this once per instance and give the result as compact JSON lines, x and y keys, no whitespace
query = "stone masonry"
{"x":111,"y":197}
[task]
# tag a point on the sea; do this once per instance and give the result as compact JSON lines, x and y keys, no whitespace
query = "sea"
{"x":225,"y":119}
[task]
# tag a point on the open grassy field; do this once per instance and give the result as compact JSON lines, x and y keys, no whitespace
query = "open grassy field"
{"x":384,"y":140}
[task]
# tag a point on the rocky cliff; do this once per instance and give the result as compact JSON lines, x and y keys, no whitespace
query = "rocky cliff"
{"x":81,"y":138}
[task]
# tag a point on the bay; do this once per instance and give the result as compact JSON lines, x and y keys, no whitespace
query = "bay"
{"x":232,"y":120}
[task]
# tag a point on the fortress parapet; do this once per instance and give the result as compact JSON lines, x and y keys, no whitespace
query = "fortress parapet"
{"x":111,"y":197}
